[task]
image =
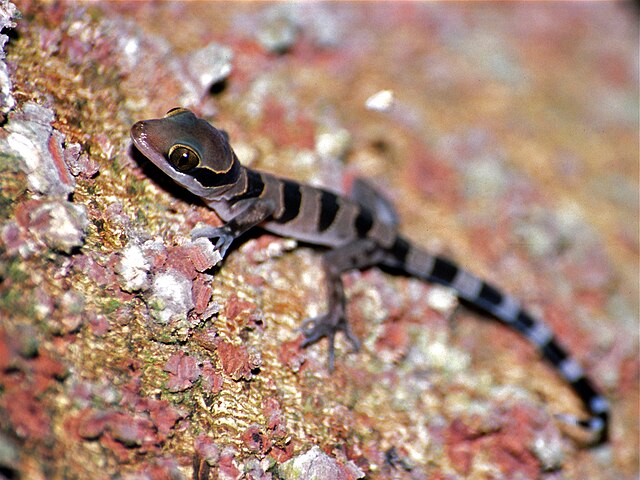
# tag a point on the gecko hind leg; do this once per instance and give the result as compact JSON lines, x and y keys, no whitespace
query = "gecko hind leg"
{"x":353,"y":256}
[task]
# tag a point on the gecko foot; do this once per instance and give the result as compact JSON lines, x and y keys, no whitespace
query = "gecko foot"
{"x":220,"y":236}
{"x":317,"y":328}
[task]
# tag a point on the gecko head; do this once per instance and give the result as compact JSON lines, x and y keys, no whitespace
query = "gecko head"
{"x":188,"y":149}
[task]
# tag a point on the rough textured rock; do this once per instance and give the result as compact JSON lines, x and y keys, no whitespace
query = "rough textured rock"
{"x":505,"y":134}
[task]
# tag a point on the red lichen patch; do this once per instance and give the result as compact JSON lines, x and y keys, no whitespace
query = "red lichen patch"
{"x":591,"y":279}
{"x":235,"y":307}
{"x":236,"y":360}
{"x":138,"y":423}
{"x":461,"y":443}
{"x":394,"y":339}
{"x":89,"y":424}
{"x":99,"y":324}
{"x":54,"y":224}
{"x":94,"y":269}
{"x":255,"y":440}
{"x":25,"y":377}
{"x":227,"y":467}
{"x":206,"y":456}
{"x":26,"y":413}
{"x":195,"y":215}
{"x":629,"y":371}
{"x":508,"y":446}
{"x":254,"y":62}
{"x":178,"y":259}
{"x":183,"y":371}
{"x":341,"y":422}
{"x":212,"y":381}
{"x":282,"y":453}
{"x":201,"y":253}
{"x":87,"y":62}
{"x":276,"y":421}
{"x":202,"y":293}
{"x":156,"y":254}
{"x":291,"y":355}
{"x":23,"y":209}
{"x":241,"y":314}
{"x":486,"y":242}
{"x":126,"y":433}
{"x":45,"y":372}
{"x":131,"y":430}
{"x":206,"y":338}
{"x":163,"y":415}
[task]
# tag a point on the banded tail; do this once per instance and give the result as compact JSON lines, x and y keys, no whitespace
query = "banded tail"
{"x":508,"y":310}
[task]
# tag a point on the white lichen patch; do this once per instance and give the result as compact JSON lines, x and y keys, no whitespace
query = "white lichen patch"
{"x":381,"y":101}
{"x":204,"y":68}
{"x":171,"y":298}
{"x":314,"y":464}
{"x":547,"y":447}
{"x":28,"y":138}
{"x":434,"y":352}
{"x":333,"y":143}
{"x":442,"y":299}
{"x":8,"y":13}
{"x":60,"y":225}
{"x":133,"y":269}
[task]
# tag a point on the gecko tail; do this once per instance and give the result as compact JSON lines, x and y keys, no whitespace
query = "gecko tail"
{"x":509,"y":311}
{"x":596,"y":426}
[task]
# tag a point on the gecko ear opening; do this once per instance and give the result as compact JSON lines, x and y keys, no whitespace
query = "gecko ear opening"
{"x":183,"y":158}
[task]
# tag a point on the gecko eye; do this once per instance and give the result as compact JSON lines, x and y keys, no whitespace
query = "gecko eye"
{"x":183,"y":158}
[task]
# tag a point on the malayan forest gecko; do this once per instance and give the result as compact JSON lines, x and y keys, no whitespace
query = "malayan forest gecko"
{"x":360,"y":231}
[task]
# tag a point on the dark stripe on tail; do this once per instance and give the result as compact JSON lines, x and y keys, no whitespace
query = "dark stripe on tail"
{"x":363,"y":223}
{"x":400,"y":250}
{"x":328,"y":210}
{"x":291,"y":200}
{"x":443,"y":271}
{"x":553,"y":353}
{"x":524,"y":321}
{"x":490,"y":295}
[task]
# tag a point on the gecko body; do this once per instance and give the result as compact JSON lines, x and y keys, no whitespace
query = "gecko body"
{"x":360,"y":231}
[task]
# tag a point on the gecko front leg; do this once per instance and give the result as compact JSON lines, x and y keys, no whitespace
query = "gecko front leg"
{"x":255,"y":213}
{"x":353,"y":256}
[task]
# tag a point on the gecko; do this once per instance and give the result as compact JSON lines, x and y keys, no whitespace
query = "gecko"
{"x":358,"y":231}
